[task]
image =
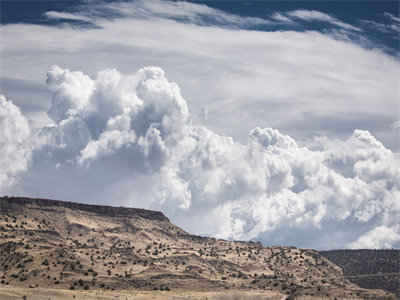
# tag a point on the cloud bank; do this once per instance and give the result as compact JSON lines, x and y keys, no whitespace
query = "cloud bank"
{"x":130,"y":139}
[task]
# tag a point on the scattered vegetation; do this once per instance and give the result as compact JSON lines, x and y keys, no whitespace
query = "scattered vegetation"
{"x":78,"y":247}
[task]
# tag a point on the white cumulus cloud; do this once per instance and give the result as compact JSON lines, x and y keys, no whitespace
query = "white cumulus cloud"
{"x":378,"y":238}
{"x":136,"y":130}
{"x":14,"y":147}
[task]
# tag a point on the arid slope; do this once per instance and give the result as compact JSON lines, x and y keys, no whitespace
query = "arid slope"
{"x":63,"y":245}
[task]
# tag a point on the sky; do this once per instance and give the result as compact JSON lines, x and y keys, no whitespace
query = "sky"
{"x":275,"y":121}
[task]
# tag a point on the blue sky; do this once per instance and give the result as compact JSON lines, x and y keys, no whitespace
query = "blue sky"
{"x":270,"y":120}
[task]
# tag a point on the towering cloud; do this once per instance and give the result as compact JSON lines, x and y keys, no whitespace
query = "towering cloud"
{"x":132,"y":136}
{"x":14,"y":150}
{"x":144,"y":111}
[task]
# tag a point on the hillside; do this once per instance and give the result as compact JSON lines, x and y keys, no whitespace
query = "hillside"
{"x":369,"y":268}
{"x":63,"y":245}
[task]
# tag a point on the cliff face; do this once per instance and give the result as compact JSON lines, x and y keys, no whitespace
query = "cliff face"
{"x":47,"y":243}
{"x":18,"y":203}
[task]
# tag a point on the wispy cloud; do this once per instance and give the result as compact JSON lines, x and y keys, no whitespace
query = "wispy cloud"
{"x":392,"y":17}
{"x":174,"y":10}
{"x":376,"y":25}
{"x":314,"y":15}
{"x":54,"y":15}
{"x":281,"y":18}
{"x":392,"y":28}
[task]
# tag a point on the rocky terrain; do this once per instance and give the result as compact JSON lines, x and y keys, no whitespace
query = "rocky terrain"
{"x":369,"y":268}
{"x":78,"y":247}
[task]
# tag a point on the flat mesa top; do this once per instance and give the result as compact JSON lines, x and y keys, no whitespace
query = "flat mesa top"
{"x":7,"y":203}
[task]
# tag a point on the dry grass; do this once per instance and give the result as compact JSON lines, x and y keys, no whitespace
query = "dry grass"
{"x":14,"y":293}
